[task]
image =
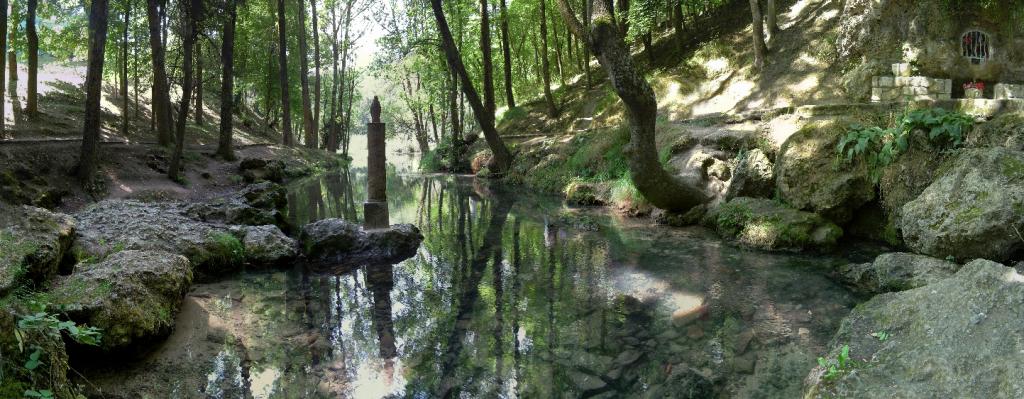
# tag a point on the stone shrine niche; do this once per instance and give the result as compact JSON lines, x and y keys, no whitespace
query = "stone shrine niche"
{"x":976,"y":46}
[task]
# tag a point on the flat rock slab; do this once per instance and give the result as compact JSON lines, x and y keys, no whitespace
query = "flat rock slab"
{"x":336,"y":242}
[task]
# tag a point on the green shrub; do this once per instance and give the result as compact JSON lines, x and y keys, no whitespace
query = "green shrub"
{"x":225,"y":250}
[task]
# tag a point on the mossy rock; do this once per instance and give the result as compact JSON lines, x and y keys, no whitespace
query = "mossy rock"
{"x":33,"y":242}
{"x":911,"y":173}
{"x":586,"y":194}
{"x":132,"y":296}
{"x":1005,"y":130}
{"x":808,"y":176}
{"x":766,"y":224}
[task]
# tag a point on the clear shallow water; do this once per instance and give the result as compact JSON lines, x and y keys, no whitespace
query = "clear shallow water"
{"x":511,"y":295}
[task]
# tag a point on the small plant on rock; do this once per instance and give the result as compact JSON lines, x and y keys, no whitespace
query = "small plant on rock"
{"x":834,"y":368}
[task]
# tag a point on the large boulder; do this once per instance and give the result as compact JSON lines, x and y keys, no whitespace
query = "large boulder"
{"x":705,"y":167}
{"x":808,"y":177}
{"x":753,"y":176}
{"x":974,"y":210}
{"x":911,"y":173}
{"x":1005,"y":130}
{"x":132,"y":296}
{"x":960,"y":337}
{"x":338,"y":242}
{"x":268,"y":245}
{"x":255,"y":205}
{"x":894,"y":272}
{"x":255,"y":170}
{"x":766,"y":224}
{"x":33,"y":242}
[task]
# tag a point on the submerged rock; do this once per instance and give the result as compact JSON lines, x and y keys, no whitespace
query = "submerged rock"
{"x":809,"y":179}
{"x":895,"y":271}
{"x":974,"y":210}
{"x":338,"y":242}
{"x":959,"y":337}
{"x":33,"y":242}
{"x":132,"y":296}
{"x":753,"y":176}
{"x":766,"y":224}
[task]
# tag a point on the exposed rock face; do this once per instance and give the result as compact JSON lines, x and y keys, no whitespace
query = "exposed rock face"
{"x":910,"y":173}
{"x":267,"y":245}
{"x":131,"y":295}
{"x":766,"y":224}
{"x":255,"y":170}
{"x":256,"y":205}
{"x":33,"y":242}
{"x":895,"y":272}
{"x":974,"y":210}
{"x":753,"y":176}
{"x":338,"y":242}
{"x":957,"y":338}
{"x":1005,"y":130}
{"x":808,"y":178}
{"x":704,"y":167}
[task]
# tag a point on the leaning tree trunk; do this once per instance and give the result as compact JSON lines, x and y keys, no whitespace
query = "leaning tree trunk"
{"x":758,"y":27}
{"x":502,"y":158}
{"x":227,"y":84}
{"x":161,"y":92}
{"x":286,"y":106}
{"x":32,"y":101}
{"x":307,"y":113}
{"x":658,"y":186}
{"x":545,"y":68}
{"x":506,"y":49}
{"x":187,"y":44}
{"x":87,"y":163}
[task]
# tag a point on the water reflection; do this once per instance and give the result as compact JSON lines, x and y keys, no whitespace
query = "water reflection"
{"x":510,"y":295}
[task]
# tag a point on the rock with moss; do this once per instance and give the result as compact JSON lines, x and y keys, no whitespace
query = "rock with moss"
{"x":809,"y":178}
{"x":766,"y":224}
{"x":336,"y":242}
{"x":586,"y":194}
{"x":268,"y":245}
{"x":911,"y":172}
{"x":255,"y":205}
{"x":705,"y":167}
{"x":893,"y":272}
{"x":1005,"y":130}
{"x":43,"y":343}
{"x":255,"y":170}
{"x":132,"y":296}
{"x":108,"y":227}
{"x":753,"y":176}
{"x":974,"y":210}
{"x":960,"y":337}
{"x":33,"y":242}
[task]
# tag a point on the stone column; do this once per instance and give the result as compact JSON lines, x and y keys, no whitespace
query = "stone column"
{"x":375,"y":209}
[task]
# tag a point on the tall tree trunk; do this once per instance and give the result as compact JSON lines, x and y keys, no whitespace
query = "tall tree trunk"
{"x":286,"y":106}
{"x":3,"y":59}
{"x":662,"y":189}
{"x":677,"y":22}
{"x":558,"y":52}
{"x":194,"y":12}
{"x":332,"y":132}
{"x":485,"y":54}
{"x":227,"y":83}
{"x":32,"y":102}
{"x":348,"y":112}
{"x":453,"y":105}
{"x":545,"y":69}
{"x":199,"y":83}
{"x":758,"y":27}
{"x":772,"y":19}
{"x":87,"y":163}
{"x":343,"y":77}
{"x":124,"y":68}
{"x":308,"y":127}
{"x":433,"y":122}
{"x":502,"y":159}
{"x":506,"y":50}
{"x":622,"y":6}
{"x":161,"y":91}
{"x":135,"y":71}
{"x":316,"y":74}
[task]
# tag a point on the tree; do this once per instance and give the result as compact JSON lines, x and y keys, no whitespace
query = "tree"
{"x":662,"y":189}
{"x":758,"y":27}
{"x":545,"y":69}
{"x":227,"y":83}
{"x":199,"y":83}
{"x":308,"y":125}
{"x":286,"y":110}
{"x":506,"y":50}
{"x":161,"y":91}
{"x":124,"y":67}
{"x":32,"y":102}
{"x":502,"y":158}
{"x":485,"y":54}
{"x":316,"y":75}
{"x":192,"y":16}
{"x":3,"y":59}
{"x":771,"y":19}
{"x":87,"y":162}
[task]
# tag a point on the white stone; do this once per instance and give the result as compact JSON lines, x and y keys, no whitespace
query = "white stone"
{"x":886,"y":81}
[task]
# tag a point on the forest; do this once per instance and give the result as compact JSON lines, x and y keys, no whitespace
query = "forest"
{"x":511,"y":198}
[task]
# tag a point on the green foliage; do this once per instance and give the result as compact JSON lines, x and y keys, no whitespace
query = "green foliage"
{"x":625,"y":194}
{"x":225,"y":250}
{"x":880,"y":147}
{"x":42,"y":321}
{"x":834,"y":368}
